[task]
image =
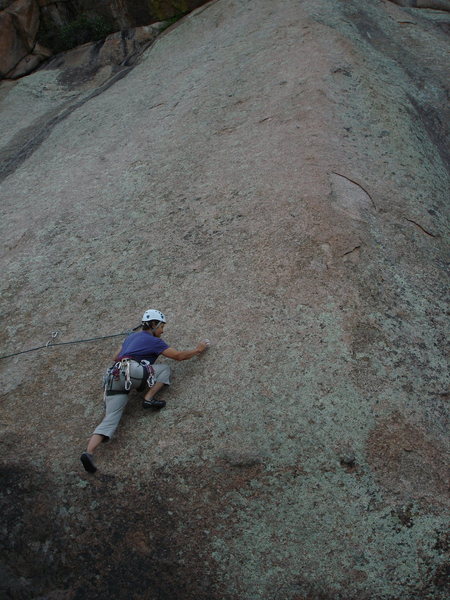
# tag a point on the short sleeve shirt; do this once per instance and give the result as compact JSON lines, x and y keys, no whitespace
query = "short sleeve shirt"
{"x":142,"y":346}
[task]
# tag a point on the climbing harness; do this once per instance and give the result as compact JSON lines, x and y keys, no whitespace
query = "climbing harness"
{"x":122,"y":368}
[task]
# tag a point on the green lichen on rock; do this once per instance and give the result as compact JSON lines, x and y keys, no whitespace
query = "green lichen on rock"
{"x":270,"y":175}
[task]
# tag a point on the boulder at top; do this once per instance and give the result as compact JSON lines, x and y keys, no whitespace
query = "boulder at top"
{"x":32,"y":30}
{"x":19,"y":24}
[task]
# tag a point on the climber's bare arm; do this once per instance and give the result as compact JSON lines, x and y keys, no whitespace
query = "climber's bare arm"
{"x":186,"y":354}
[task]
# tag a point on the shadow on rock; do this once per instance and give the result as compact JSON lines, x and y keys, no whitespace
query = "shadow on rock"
{"x":96,"y":538}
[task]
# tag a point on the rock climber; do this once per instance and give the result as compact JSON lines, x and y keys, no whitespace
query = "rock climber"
{"x":134,"y":369}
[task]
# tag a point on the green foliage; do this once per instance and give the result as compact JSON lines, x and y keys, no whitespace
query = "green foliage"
{"x":81,"y":30}
{"x":172,"y":20}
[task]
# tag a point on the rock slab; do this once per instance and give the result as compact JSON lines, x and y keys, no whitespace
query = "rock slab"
{"x":273,"y":175}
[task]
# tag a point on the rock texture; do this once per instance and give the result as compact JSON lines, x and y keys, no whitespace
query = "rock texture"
{"x":273,"y":175}
{"x":431,"y":4}
{"x":19,"y":52}
{"x":124,"y":13}
{"x":24,"y":23}
{"x":90,"y":64}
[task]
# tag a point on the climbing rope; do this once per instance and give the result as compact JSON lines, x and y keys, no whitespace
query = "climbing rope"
{"x":54,"y":334}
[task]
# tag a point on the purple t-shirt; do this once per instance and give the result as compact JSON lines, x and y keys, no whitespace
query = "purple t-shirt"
{"x":142,"y":346}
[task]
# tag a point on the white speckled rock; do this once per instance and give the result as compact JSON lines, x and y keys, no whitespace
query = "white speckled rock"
{"x":273,"y":176}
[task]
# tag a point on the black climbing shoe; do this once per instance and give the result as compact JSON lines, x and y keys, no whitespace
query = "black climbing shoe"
{"x":88,"y":462}
{"x":153,"y":404}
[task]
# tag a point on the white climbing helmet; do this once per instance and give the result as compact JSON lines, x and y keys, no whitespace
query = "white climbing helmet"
{"x":153,"y":315}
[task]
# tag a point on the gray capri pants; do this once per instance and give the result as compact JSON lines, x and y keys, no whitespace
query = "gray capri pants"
{"x":115,"y":404}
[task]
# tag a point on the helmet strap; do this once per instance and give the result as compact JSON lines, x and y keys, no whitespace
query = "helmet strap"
{"x":156,"y":327}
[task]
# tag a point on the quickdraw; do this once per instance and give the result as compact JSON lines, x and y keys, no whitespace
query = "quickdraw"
{"x":125,"y":368}
{"x":150,"y":373}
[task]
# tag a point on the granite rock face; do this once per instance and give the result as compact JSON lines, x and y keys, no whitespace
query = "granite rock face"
{"x":19,"y":24}
{"x":273,"y":175}
{"x":89,"y":65}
